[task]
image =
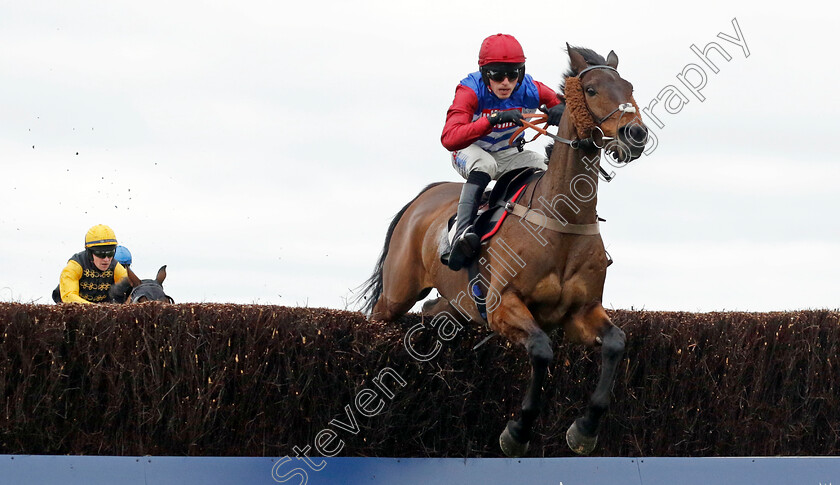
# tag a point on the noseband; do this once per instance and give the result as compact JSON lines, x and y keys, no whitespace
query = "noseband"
{"x":584,"y":119}
{"x":589,"y":131}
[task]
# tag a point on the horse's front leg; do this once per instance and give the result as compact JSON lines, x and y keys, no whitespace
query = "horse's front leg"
{"x":582,"y":435}
{"x":513,"y":320}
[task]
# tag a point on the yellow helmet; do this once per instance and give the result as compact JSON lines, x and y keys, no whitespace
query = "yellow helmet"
{"x":100,"y":235}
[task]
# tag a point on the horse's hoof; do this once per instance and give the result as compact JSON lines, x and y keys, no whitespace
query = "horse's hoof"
{"x":428,"y":306}
{"x":578,"y":442}
{"x":510,"y":447}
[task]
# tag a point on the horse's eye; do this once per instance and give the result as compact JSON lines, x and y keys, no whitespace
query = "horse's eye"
{"x":591,"y":91}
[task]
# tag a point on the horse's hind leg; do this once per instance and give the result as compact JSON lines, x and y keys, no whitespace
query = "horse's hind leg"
{"x":438,"y":305}
{"x":515,"y":322}
{"x":388,"y":309}
{"x":401,"y":287}
{"x":582,"y":435}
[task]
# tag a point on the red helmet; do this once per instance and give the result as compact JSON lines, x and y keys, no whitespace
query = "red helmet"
{"x":500,"y":48}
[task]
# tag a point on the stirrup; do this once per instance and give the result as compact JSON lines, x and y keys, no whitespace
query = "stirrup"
{"x":463,"y":250}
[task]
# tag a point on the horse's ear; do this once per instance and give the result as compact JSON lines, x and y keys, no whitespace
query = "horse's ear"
{"x":576,"y":60}
{"x":161,"y":275}
{"x":612,"y":60}
{"x":133,"y":279}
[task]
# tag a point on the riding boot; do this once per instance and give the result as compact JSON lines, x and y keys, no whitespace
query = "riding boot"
{"x":466,"y":241}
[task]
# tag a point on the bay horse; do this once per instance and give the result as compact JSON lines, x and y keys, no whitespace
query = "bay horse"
{"x":557,"y":280}
{"x":134,"y":290}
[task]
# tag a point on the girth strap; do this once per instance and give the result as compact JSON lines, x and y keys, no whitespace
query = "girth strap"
{"x":538,"y":218}
{"x":477,"y":295}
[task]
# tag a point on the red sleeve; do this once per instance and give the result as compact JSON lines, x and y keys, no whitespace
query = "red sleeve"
{"x":460,"y":131}
{"x":547,"y":95}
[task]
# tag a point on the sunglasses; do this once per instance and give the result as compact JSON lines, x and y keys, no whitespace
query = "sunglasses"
{"x":500,"y":76}
{"x":103,"y":254}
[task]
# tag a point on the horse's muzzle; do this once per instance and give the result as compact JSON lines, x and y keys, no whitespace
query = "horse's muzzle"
{"x":630,"y":143}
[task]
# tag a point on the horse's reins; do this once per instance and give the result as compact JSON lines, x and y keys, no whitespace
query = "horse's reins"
{"x":576,"y":102}
{"x":540,"y":118}
{"x":624,"y":108}
{"x":575,"y":144}
{"x":525,"y":212}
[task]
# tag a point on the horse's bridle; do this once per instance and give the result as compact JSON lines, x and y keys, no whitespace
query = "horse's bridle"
{"x":585,"y":142}
{"x":596,"y":138}
{"x":624,"y":108}
{"x":152,"y":291}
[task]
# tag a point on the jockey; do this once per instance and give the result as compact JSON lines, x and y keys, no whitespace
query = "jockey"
{"x":487,"y":108}
{"x":123,"y":256}
{"x":89,"y":274}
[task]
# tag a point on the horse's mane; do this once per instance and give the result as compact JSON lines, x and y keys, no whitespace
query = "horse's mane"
{"x":591,"y":57}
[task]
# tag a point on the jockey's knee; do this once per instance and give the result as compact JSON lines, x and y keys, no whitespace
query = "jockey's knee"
{"x":474,"y":159}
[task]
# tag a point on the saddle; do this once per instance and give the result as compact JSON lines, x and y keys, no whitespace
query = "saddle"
{"x":491,"y":212}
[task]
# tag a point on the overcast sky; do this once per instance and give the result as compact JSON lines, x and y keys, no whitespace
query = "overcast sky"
{"x":260,"y":149}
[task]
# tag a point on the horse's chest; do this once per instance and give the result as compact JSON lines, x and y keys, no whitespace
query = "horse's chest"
{"x":554,"y":296}
{"x":547,"y":291}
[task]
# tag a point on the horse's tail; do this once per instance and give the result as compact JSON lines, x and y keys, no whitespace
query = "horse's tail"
{"x":371,"y":289}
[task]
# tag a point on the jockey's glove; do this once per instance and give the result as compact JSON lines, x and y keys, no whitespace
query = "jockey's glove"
{"x":510,"y":116}
{"x":555,"y":113}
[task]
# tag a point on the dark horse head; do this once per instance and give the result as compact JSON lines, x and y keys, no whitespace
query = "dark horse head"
{"x":135,"y":290}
